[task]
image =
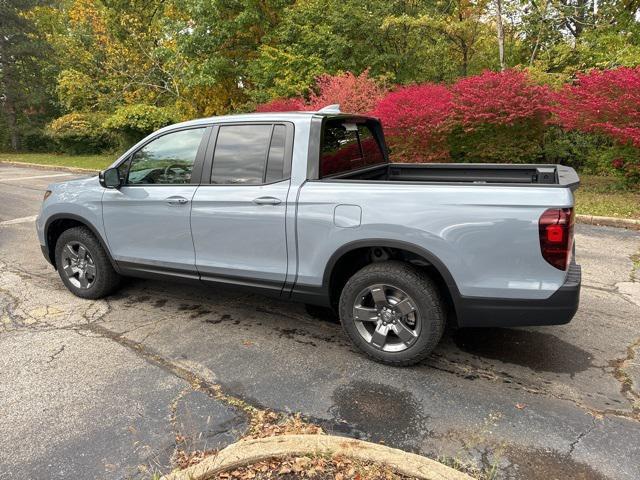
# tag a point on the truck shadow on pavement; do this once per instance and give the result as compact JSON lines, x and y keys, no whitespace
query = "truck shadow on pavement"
{"x":535,"y":350}
{"x":527,"y":348}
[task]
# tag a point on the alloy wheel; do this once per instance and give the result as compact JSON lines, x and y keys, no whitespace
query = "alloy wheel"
{"x":78,"y":265}
{"x":387,"y":318}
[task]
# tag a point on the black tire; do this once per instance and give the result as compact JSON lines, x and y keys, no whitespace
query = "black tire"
{"x":105,"y":279}
{"x":425,"y":301}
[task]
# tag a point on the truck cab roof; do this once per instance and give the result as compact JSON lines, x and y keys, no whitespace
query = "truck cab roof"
{"x":266,"y":117}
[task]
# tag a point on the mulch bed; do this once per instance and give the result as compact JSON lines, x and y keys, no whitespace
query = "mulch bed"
{"x":313,"y":468}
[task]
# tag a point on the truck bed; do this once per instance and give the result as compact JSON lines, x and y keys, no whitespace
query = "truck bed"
{"x":467,"y":173}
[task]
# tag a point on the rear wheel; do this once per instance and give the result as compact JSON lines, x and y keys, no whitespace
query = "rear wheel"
{"x":83,"y":265}
{"x":393,"y":312}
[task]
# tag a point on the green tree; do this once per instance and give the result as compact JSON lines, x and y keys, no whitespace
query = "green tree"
{"x":567,"y":36}
{"x":23,"y":72}
{"x":219,"y":40}
{"x":352,"y":35}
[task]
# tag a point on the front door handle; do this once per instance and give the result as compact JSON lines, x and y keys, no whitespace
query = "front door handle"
{"x":177,"y":201}
{"x":267,"y":201}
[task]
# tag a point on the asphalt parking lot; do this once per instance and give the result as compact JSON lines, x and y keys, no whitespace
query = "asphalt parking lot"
{"x":100,"y":389}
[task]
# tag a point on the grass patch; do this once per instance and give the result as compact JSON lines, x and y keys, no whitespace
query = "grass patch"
{"x":92,"y":162}
{"x":603,"y":196}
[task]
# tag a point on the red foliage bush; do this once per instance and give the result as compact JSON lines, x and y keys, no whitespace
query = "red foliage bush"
{"x":355,"y":94}
{"x":606,"y":102}
{"x":283,"y":105}
{"x":499,"y":98}
{"x":499,"y":117}
{"x":415,"y":119}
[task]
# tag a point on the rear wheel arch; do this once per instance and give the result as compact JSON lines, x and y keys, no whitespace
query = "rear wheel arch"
{"x":56,"y":224}
{"x":354,"y":256}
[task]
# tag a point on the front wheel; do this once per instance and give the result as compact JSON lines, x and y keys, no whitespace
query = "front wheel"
{"x":393,"y":312}
{"x":83,"y":265}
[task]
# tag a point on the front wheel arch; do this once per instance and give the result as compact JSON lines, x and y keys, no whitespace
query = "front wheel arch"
{"x":57,"y":224}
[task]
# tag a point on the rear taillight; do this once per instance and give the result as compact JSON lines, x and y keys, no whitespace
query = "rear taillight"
{"x":556,"y":236}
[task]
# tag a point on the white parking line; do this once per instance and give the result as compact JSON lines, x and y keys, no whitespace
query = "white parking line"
{"x":19,"y":220}
{"x":35,"y":176}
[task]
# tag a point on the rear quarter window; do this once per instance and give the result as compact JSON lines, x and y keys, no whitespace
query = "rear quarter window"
{"x":348,"y":145}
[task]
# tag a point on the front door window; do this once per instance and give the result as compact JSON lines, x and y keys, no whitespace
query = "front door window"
{"x":167,"y":160}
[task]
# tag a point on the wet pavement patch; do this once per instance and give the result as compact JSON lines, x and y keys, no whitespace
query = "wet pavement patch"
{"x":222,"y":318}
{"x":185,"y":307}
{"x":535,"y":350}
{"x":538,"y":464}
{"x":382,"y":411}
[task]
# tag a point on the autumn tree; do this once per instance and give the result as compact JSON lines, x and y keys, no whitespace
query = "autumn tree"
{"x":330,"y":36}
{"x":354,"y":94}
{"x":219,"y":40}
{"x":460,"y":23}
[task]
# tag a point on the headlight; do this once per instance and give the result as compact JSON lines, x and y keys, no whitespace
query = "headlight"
{"x":47,"y":194}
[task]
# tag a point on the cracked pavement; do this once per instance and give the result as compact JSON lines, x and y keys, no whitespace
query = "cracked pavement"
{"x":101,"y":389}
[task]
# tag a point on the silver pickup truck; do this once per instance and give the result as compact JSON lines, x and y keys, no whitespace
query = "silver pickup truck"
{"x":307,"y":206}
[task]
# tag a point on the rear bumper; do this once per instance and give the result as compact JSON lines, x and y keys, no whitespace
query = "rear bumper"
{"x":558,"y":309}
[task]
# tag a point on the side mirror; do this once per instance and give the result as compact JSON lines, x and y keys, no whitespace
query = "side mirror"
{"x":110,"y":178}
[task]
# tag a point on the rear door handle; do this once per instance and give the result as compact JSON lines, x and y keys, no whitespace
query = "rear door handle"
{"x":177,"y":201}
{"x":267,"y":201}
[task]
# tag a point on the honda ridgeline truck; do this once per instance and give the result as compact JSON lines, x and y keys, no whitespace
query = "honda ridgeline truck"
{"x":307,"y":206}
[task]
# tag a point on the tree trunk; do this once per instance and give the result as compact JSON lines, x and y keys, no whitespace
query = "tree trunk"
{"x":465,"y":59}
{"x":500,"y":34}
{"x":10,"y":114}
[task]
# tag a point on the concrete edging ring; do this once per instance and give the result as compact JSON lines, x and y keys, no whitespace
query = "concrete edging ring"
{"x":248,"y":452}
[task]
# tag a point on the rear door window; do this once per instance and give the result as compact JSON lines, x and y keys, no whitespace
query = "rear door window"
{"x":249,"y":155}
{"x":241,"y":154}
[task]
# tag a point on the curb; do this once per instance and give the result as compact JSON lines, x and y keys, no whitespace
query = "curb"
{"x":247,"y":452}
{"x":42,"y":166}
{"x":630,"y":223}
